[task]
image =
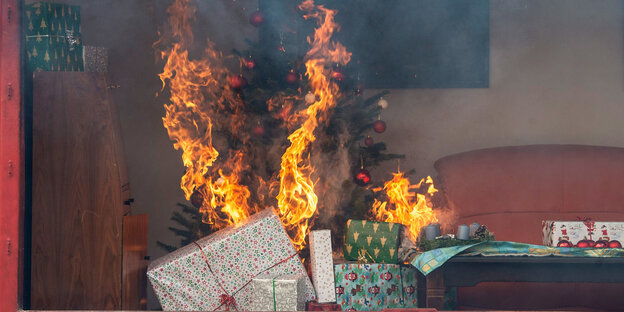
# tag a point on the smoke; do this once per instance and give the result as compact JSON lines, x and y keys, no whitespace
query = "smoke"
{"x":447,"y":218}
{"x":332,"y":170}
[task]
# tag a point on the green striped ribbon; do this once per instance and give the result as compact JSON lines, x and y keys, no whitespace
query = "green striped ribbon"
{"x":274,"y":302}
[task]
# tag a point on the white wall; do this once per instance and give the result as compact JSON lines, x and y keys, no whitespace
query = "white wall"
{"x":555,"y":77}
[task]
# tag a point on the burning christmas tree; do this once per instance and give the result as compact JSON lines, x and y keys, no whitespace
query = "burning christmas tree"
{"x":287,"y":130}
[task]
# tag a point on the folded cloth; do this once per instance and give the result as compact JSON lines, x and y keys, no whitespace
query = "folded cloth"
{"x":433,"y":259}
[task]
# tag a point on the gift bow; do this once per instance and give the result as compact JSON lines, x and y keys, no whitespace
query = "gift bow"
{"x":228,"y":301}
{"x":362,"y":253}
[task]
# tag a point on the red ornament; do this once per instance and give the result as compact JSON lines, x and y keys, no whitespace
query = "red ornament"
{"x":363,"y":177}
{"x":292,"y":77}
{"x":583,"y":244}
{"x":237,"y":82}
{"x":256,"y":18}
{"x":249,"y":63}
{"x":369,"y":141}
{"x":601,"y":244}
{"x":197,"y":199}
{"x":337,"y":74}
{"x":379,"y":126}
{"x":358,"y":90}
{"x":258,"y":130}
{"x":615,"y":244}
{"x":591,"y":243}
{"x":564,"y":243}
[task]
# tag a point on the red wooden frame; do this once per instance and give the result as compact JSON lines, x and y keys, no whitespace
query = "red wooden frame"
{"x":11,"y":157}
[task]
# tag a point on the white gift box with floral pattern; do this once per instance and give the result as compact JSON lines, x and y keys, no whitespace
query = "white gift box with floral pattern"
{"x":322,"y":266}
{"x":215,"y":272}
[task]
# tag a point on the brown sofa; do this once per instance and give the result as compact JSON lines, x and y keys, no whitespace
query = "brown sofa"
{"x":512,"y":189}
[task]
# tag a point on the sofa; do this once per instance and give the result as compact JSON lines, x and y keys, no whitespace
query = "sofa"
{"x":512,"y":190}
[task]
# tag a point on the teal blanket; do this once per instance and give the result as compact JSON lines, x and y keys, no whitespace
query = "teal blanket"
{"x":433,"y":259}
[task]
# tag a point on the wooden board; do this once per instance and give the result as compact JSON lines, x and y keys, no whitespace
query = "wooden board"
{"x":134,"y":291}
{"x":76,"y":205}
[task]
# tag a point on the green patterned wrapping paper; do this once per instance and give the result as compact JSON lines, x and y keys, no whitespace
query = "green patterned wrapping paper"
{"x":53,"y":40}
{"x":375,"y":286}
{"x":377,"y":242}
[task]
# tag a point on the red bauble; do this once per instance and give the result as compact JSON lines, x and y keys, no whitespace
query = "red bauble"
{"x":197,"y":199}
{"x":601,"y":244}
{"x":591,"y":243}
{"x":256,"y":18}
{"x":583,"y":244}
{"x":258,"y":130}
{"x":337,"y":75}
{"x":615,"y":244}
{"x":564,"y":243}
{"x":292,"y":77}
{"x":369,"y":141}
{"x":237,"y":82}
{"x":363,"y":177}
{"x":379,"y":126}
{"x":249,"y":63}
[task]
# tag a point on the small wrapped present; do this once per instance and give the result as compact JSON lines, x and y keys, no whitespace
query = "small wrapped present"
{"x":322,"y":266}
{"x":376,"y":286}
{"x":278,"y":293}
{"x":95,"y":59}
{"x":53,"y":37}
{"x":315,"y":306}
{"x":214,"y":273}
{"x":374,"y":242}
{"x":574,"y":231}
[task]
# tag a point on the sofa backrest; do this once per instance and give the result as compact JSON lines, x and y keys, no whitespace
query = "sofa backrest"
{"x":512,"y":189}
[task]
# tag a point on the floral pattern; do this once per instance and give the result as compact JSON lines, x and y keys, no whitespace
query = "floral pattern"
{"x":322,"y":265}
{"x":182,"y":280}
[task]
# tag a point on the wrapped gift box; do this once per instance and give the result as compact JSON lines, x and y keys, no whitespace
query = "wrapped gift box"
{"x":214,"y":273}
{"x":322,"y":266}
{"x":53,"y":41}
{"x":273,"y":292}
{"x":373,"y":287}
{"x":574,"y":231}
{"x":375,"y":242}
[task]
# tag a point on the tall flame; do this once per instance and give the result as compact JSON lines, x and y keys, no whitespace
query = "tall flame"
{"x":405,"y":206}
{"x":297,"y":200}
{"x":198,"y":96}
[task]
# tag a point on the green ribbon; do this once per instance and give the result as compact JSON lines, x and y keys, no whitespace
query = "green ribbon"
{"x":274,"y":302}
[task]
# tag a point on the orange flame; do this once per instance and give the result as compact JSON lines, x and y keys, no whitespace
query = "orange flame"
{"x":405,"y":206}
{"x":297,"y":200}
{"x":199,"y":95}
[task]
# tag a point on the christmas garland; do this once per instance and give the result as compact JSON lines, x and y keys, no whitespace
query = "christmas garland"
{"x":482,"y":235}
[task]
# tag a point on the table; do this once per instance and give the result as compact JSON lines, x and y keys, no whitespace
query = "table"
{"x":470,"y":270}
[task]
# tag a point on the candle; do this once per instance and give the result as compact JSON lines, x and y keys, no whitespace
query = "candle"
{"x":463,"y":232}
{"x":432,"y":231}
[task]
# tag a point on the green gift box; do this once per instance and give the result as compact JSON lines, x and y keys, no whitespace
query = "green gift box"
{"x":53,"y":41}
{"x":371,"y":241}
{"x":375,"y":286}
